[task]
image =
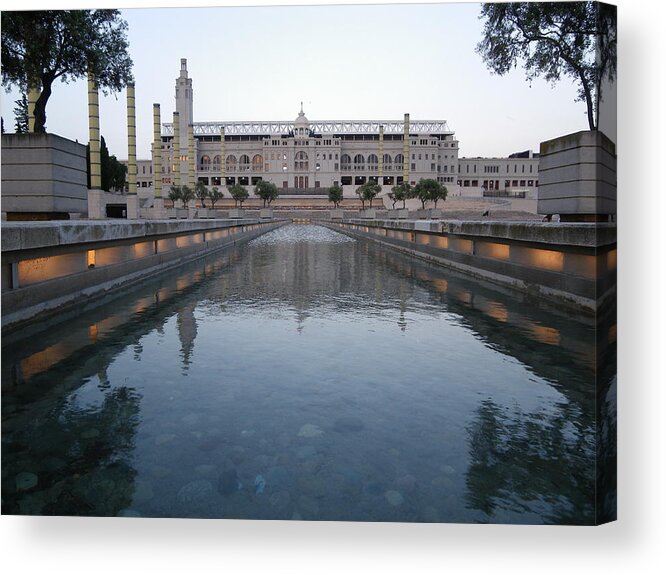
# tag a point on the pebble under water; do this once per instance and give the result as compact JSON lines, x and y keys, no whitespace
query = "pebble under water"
{"x":304,"y":375}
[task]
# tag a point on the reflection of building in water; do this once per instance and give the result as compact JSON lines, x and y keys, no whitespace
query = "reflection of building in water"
{"x":187,"y":332}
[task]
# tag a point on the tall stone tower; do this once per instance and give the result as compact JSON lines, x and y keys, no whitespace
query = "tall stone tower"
{"x":184,"y":100}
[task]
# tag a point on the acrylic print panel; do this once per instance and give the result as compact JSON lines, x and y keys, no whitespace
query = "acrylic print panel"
{"x":441,"y":348}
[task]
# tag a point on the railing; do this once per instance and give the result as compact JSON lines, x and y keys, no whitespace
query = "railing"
{"x":503,"y":194}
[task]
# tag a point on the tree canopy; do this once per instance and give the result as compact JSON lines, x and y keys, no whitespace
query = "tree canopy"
{"x":431,"y":190}
{"x":267,"y":191}
{"x":201,"y":192}
{"x":368,"y":192}
{"x":174,"y":195}
{"x":215,"y":194}
{"x":112,"y":172}
{"x":554,"y":39}
{"x":21,"y":115}
{"x":400,"y":193}
{"x":39,"y":47}
{"x":239,"y":193}
{"x":186,"y":195}
{"x":335,"y":195}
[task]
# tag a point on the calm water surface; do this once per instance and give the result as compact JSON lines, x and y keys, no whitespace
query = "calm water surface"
{"x":305,"y":375}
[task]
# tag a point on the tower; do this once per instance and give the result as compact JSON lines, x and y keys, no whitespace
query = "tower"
{"x":184,"y":107}
{"x":184,"y":97}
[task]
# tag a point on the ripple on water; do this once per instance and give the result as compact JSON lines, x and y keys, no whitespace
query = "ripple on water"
{"x":296,"y":233}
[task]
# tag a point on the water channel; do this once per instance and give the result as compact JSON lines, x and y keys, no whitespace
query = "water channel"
{"x":307,"y":375}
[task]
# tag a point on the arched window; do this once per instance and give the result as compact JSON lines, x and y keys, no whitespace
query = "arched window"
{"x":345,"y":162}
{"x":205,"y":163}
{"x":359,"y":162}
{"x":301,"y":161}
{"x":399,"y":161}
{"x":388,"y":161}
{"x":373,"y":161}
{"x":244,"y":163}
{"x":216,"y":160}
{"x":257,"y":163}
{"x":231,"y":163}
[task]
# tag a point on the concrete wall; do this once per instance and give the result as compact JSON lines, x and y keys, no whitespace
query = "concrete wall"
{"x":49,"y":267}
{"x":577,"y":175}
{"x":43,"y":173}
{"x":569,"y":264}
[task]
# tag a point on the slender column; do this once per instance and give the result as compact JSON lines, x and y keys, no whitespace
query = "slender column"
{"x":191,"y":156}
{"x":93,"y":133}
{"x":176,"y":149}
{"x":157,"y":152}
{"x":223,"y":163}
{"x":132,"y":199}
{"x":381,"y":151}
{"x":131,"y":140}
{"x":33,"y":95}
{"x":405,"y":150}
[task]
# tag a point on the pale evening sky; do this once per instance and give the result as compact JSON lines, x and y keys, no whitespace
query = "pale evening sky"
{"x":345,"y":62}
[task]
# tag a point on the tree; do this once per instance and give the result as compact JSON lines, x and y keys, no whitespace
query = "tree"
{"x":400,"y":193}
{"x":267,"y":191}
{"x":239,"y":194}
{"x":201,"y":192}
{"x":429,"y":190}
{"x":174,"y":195}
{"x":368,"y":192}
{"x":117,"y":174}
{"x":186,"y":195}
{"x":214,"y":195}
{"x":112,"y":172}
{"x":335,"y":195}
{"x":552,"y":39}
{"x":21,"y":115}
{"x":39,"y":47}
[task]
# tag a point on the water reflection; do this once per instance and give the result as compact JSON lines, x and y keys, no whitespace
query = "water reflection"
{"x":308,"y":375}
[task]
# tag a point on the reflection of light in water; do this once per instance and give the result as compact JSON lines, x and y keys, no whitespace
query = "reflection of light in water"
{"x":497,"y":311}
{"x":441,"y":286}
{"x":544,"y":334}
{"x":463,"y":296}
{"x":43,"y":360}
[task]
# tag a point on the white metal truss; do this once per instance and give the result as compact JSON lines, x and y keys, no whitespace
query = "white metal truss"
{"x":337,"y":127}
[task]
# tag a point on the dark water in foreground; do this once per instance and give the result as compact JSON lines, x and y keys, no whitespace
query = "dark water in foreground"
{"x":305,"y":375}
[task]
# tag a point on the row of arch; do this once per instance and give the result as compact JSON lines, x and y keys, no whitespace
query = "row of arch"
{"x":301,"y":161}
{"x":231,"y":160}
{"x":372,"y":159}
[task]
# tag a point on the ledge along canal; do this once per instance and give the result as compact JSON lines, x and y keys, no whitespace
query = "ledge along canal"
{"x":307,"y":375}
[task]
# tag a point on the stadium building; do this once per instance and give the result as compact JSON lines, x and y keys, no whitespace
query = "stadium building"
{"x":304,"y":157}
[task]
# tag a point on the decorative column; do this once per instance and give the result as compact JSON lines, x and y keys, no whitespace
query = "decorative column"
{"x":157,"y":153}
{"x":381,"y":153}
{"x":132,"y":199}
{"x":176,"y":149}
{"x":191,"y":156}
{"x":223,"y":162}
{"x":96,"y":204}
{"x":33,"y":95}
{"x":405,"y":150}
{"x":158,"y":201}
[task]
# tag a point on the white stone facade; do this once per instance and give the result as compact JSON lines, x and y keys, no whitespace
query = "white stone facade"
{"x":303,"y":156}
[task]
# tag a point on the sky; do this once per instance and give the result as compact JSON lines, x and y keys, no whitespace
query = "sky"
{"x":344,"y":62}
